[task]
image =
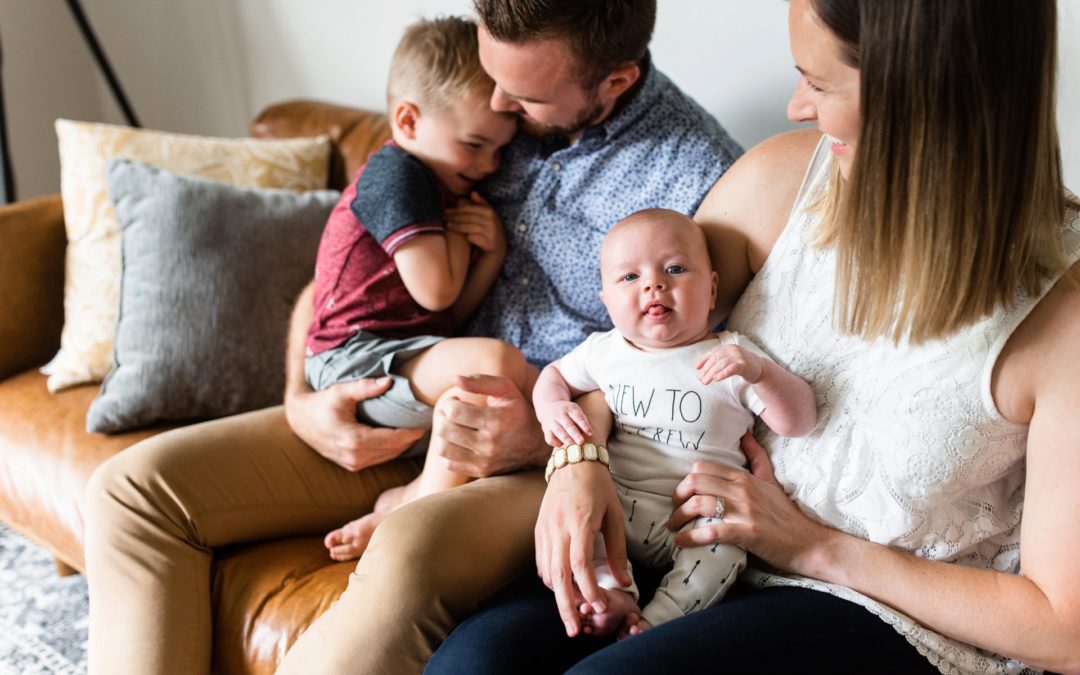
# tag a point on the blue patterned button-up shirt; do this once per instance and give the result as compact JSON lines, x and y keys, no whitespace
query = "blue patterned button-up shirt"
{"x":556,"y":201}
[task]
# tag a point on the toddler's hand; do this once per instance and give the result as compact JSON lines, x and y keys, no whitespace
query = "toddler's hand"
{"x":477,"y":221}
{"x":563,"y":422}
{"x":724,"y":361}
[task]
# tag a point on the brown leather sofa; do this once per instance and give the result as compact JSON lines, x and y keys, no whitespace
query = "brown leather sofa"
{"x":264,"y":594}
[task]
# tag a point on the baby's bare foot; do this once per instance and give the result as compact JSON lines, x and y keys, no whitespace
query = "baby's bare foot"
{"x":619,"y":605}
{"x":635,"y":625}
{"x":349,"y":541}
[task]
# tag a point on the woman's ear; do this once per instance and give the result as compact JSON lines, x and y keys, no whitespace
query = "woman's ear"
{"x":404,"y":119}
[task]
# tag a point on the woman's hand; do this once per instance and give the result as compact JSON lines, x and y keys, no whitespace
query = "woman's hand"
{"x":579,"y":503}
{"x":758,"y":516}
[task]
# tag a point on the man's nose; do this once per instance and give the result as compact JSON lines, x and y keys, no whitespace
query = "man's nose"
{"x":500,"y":102}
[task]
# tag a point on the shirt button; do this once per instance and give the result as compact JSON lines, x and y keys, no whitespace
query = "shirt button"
{"x":555,"y":166}
{"x":524,"y":281}
{"x":522,"y":226}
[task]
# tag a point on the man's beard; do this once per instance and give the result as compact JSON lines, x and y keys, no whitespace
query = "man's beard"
{"x":588,"y":117}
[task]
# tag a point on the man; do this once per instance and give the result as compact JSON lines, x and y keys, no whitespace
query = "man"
{"x":616,"y":136}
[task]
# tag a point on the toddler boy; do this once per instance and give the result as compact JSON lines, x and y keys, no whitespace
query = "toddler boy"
{"x":409,"y":252}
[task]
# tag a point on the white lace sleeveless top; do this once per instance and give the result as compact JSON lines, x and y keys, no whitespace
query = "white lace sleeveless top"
{"x":909,"y":450}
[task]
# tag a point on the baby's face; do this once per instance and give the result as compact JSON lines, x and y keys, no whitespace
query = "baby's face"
{"x":461,"y":142}
{"x":657,"y":282}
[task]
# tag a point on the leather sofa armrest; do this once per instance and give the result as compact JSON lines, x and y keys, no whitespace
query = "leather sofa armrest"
{"x":355,"y":133}
{"x":32,"y":244}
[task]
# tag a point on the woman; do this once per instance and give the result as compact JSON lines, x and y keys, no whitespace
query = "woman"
{"x":925,"y":285}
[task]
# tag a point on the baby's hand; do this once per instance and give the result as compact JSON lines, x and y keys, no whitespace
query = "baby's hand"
{"x":477,"y":221}
{"x":724,"y":361}
{"x":563,"y":422}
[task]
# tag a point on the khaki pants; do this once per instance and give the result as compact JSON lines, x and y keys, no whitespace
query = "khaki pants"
{"x":156,"y":511}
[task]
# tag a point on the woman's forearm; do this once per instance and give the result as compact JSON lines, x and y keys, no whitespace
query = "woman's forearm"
{"x":1033,"y":618}
{"x":1005,"y":613}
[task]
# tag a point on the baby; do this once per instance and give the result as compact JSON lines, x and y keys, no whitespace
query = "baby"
{"x":392,"y":280}
{"x":679,"y":393}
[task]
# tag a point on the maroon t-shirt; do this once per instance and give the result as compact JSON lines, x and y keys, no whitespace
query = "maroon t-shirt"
{"x":357,"y":286}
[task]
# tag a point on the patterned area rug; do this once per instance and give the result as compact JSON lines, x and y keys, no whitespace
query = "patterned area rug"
{"x":43,"y":617}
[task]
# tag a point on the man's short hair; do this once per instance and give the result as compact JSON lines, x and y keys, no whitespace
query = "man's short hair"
{"x":436,"y":63}
{"x":601,"y":34}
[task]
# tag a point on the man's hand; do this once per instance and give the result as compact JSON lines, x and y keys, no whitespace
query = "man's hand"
{"x":326,"y":420}
{"x":497,"y":436}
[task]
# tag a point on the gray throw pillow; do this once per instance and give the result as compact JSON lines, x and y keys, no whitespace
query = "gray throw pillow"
{"x":210,"y":275}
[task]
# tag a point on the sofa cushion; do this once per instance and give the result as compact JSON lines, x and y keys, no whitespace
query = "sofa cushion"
{"x":92,"y":283}
{"x":355,"y":133}
{"x":46,"y":458}
{"x":210,"y":276}
{"x":265,"y":595}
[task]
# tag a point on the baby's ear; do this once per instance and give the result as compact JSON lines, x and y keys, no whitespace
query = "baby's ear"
{"x":404,"y":117}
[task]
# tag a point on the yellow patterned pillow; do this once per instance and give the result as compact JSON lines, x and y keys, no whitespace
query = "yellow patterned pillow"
{"x":92,"y":274}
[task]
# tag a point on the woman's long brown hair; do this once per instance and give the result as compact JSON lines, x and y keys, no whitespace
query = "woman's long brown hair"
{"x":955,"y":199}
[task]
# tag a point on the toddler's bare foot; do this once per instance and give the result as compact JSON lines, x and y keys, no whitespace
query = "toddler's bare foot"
{"x":349,"y":541}
{"x":397,"y":496}
{"x":613,"y":620}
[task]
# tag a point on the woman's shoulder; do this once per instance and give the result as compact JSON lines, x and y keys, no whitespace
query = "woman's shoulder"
{"x":753,"y":199}
{"x":777,"y":163}
{"x":784,"y":156}
{"x":1039,"y":358}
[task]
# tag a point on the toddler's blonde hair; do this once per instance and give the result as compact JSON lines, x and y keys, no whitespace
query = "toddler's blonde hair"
{"x":437,"y":63}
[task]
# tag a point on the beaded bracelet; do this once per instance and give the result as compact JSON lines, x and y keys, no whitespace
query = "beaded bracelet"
{"x":573,"y":453}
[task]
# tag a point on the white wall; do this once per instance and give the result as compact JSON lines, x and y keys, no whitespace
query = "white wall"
{"x":46,"y":74}
{"x":208,"y":66}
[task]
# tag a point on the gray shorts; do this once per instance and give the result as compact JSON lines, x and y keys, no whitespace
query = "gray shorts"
{"x":367,"y":355}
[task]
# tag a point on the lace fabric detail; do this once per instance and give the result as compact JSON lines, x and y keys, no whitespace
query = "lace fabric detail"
{"x":909,"y":451}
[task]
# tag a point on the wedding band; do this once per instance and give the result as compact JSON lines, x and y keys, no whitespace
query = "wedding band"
{"x":720,"y":508}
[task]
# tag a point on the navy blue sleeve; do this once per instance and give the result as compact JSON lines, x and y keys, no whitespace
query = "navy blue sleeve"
{"x":395,"y":191}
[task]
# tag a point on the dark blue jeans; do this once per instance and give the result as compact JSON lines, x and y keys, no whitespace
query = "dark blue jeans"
{"x":775,"y":630}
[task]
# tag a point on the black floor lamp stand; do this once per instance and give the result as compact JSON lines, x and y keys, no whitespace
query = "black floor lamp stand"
{"x":7,"y":185}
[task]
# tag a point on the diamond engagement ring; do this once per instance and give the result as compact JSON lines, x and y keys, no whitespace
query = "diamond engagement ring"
{"x":720,"y":508}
